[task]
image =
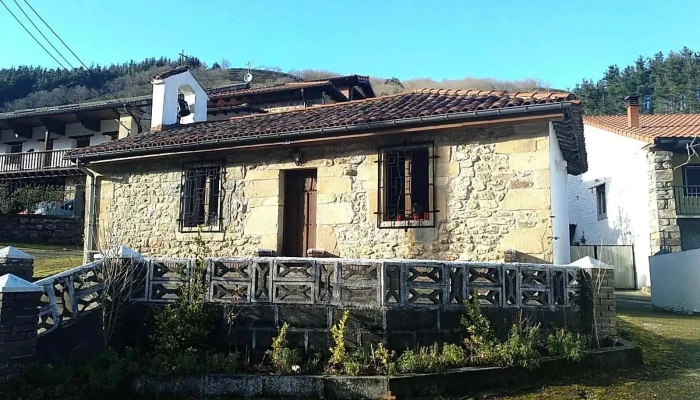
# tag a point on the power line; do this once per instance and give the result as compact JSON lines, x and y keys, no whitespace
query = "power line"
{"x":30,"y":34}
{"x":42,"y":34}
{"x":138,"y":120}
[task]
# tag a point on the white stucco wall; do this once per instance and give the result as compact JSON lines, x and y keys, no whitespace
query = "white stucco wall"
{"x":675,"y":279}
{"x":620,"y":163}
{"x":560,"y":207}
{"x":61,"y":141}
{"x":165,"y":100}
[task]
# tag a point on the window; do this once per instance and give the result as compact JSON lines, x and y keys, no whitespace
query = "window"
{"x":200,"y":197}
{"x":691,"y":180}
{"x":81,"y":142}
{"x":406,"y":187}
{"x":601,"y":201}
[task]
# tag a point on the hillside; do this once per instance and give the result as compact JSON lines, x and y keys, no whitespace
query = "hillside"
{"x":30,"y":87}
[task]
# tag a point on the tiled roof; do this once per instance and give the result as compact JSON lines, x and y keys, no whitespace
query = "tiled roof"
{"x":268,"y":89}
{"x":650,"y":126}
{"x":69,"y":108}
{"x":418,"y":108}
{"x":170,"y":72}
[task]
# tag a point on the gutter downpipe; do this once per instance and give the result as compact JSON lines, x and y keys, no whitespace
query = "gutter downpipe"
{"x":90,"y":220}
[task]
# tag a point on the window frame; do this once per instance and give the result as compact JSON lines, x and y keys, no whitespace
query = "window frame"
{"x":382,"y":168}
{"x":687,"y":189}
{"x":217,"y":226}
{"x":601,"y":201}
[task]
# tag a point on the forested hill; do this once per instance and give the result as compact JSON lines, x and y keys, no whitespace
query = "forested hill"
{"x":666,"y":84}
{"x":31,"y":87}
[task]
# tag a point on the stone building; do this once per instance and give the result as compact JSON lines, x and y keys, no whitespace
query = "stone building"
{"x":430,"y":174}
{"x":34,"y":143}
{"x":642,"y":188}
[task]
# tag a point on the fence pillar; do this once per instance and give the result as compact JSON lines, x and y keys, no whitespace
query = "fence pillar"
{"x":599,"y":295}
{"x":16,"y":262}
{"x":19,"y":319}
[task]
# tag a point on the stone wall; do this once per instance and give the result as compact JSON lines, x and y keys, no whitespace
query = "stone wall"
{"x":41,"y":229}
{"x":492,"y":190}
{"x":664,"y":230}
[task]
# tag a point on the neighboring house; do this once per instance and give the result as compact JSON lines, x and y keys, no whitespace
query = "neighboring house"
{"x":431,"y":174}
{"x":34,"y":142}
{"x":641,"y":187}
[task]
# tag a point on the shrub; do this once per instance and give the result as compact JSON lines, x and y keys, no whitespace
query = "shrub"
{"x":338,"y":351}
{"x":519,"y":348}
{"x":282,"y":358}
{"x":564,"y":343}
{"x":426,"y":359}
{"x":190,"y":321}
{"x":453,"y":356}
{"x":480,"y":338}
{"x":383,"y":360}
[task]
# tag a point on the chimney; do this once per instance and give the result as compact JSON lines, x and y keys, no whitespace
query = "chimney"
{"x":632,"y":111}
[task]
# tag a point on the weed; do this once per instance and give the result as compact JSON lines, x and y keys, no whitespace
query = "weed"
{"x":564,"y":343}
{"x":338,"y":351}
{"x":283,"y":359}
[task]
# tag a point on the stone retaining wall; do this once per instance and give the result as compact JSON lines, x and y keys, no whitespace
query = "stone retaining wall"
{"x":41,"y":229}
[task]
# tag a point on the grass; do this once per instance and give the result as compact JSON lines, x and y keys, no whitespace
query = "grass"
{"x":671,"y":345}
{"x":50,"y":259}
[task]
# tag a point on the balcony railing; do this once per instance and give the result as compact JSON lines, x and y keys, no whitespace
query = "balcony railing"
{"x":687,"y":200}
{"x":35,"y":161}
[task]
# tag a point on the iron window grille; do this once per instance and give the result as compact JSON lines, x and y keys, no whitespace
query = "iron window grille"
{"x":406,"y":186}
{"x":201,"y":194}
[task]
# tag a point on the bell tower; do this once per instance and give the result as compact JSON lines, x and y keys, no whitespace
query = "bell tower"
{"x":177,"y":99}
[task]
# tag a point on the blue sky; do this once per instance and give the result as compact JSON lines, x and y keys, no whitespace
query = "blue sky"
{"x":559,"y":42}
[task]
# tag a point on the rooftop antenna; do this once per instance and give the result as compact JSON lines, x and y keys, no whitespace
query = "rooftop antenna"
{"x":248,"y":76}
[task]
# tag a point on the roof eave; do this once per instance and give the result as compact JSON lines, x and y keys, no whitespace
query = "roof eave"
{"x":489,"y":114}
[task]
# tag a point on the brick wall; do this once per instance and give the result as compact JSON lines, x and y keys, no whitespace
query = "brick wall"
{"x":23,"y":268}
{"x":18,"y":332}
{"x":599,"y":296}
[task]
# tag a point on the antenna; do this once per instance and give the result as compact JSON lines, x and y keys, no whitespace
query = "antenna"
{"x":248,"y":77}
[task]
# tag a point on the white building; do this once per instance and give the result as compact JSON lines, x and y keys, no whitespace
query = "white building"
{"x":641,"y":188}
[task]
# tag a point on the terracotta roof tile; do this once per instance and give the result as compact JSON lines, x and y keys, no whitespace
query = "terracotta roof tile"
{"x":650,"y":126}
{"x":268,"y":89}
{"x":274,"y":126}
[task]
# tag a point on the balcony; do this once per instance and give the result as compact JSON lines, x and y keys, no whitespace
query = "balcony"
{"x":37,"y":163}
{"x":687,"y":200}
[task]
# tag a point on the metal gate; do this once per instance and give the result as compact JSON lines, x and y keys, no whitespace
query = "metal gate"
{"x":619,"y":256}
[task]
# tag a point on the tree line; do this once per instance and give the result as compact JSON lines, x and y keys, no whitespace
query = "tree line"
{"x":666,"y":84}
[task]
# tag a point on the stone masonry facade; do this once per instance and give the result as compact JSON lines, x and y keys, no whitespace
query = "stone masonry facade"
{"x":492,"y":190}
{"x":664,"y":229}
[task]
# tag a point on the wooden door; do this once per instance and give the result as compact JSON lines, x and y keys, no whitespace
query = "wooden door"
{"x":299,"y":226}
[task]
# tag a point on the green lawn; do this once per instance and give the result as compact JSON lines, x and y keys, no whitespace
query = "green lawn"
{"x":50,"y":259}
{"x":671,"y":346}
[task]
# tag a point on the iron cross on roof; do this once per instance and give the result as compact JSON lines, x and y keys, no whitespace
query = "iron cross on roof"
{"x":183,"y":57}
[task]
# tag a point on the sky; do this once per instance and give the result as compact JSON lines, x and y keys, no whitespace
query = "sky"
{"x":559,"y":42}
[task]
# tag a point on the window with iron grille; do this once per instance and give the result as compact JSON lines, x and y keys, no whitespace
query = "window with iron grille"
{"x":406,"y":189}
{"x":200,"y":197}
